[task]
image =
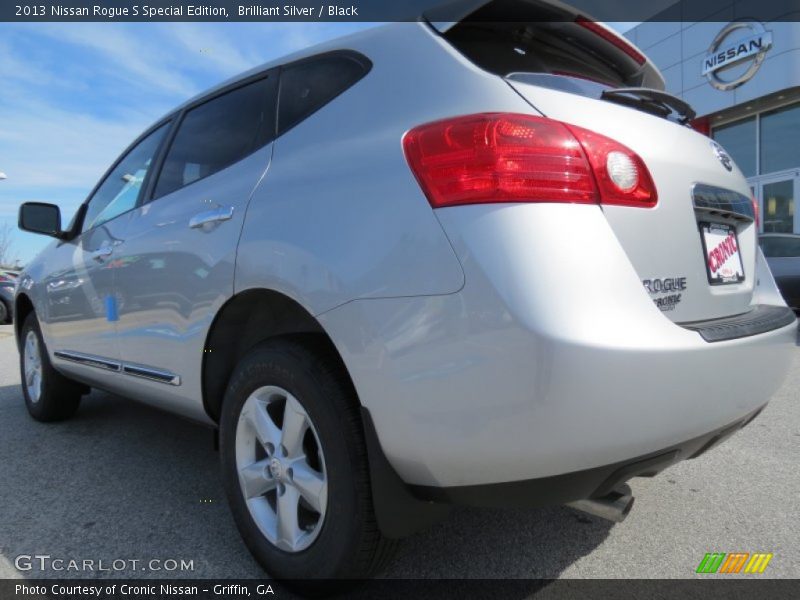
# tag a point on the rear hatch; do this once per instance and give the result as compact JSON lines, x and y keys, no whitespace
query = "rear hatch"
{"x":695,"y":251}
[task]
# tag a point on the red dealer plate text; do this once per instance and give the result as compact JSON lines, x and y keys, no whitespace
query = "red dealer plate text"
{"x":723,"y":258}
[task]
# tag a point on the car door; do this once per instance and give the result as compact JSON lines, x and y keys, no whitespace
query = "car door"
{"x":81,"y":300}
{"x":180,"y":244}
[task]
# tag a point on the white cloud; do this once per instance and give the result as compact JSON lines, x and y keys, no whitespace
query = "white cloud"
{"x":217,"y":50}
{"x":57,"y":148}
{"x":138,"y":58}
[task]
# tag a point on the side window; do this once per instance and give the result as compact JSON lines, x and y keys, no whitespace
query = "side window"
{"x":218,"y":133}
{"x":120,"y":191}
{"x":781,"y":247}
{"x":768,"y":246}
{"x":310,"y":84}
{"x":789,"y":246}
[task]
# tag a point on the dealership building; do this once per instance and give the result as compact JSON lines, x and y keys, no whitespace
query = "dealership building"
{"x":742,"y":77}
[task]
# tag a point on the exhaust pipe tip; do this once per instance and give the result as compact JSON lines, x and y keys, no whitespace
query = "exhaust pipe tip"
{"x":614,"y":506}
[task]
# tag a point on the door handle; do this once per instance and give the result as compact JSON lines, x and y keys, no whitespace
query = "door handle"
{"x":102,"y":253}
{"x":215,"y":215}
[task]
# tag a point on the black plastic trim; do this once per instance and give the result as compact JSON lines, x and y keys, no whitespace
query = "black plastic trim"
{"x":649,"y":100}
{"x":761,"y":319}
{"x":578,"y":485}
{"x":398,"y":512}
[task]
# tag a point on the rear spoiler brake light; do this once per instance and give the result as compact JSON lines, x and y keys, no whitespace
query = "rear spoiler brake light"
{"x":611,"y":38}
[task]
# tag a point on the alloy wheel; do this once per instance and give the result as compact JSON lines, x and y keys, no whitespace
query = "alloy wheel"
{"x":281,"y":468}
{"x":32,"y":367}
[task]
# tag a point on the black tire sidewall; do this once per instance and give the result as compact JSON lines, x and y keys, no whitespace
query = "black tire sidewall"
{"x":336,"y":544}
{"x":59,"y":397}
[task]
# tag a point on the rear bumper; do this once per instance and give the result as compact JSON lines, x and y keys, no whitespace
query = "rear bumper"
{"x":588,"y":483}
{"x":552,"y":360}
{"x":763,"y":318}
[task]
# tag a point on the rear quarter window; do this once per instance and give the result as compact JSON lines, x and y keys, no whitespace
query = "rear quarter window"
{"x":308,"y":85}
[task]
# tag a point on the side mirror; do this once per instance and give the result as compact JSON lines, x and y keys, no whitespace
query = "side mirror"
{"x":38,"y":217}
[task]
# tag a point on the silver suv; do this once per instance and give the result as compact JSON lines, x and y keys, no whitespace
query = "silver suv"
{"x":482,"y":263}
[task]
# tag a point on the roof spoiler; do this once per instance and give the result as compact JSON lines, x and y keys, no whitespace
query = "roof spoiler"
{"x":443,"y":17}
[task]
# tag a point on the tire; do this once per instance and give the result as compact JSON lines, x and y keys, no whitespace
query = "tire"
{"x":337,"y":537}
{"x":49,"y":395}
{"x":4,"y":312}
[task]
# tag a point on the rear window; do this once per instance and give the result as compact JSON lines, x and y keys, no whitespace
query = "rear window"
{"x":563,"y":83}
{"x":553,"y":48}
{"x":523,"y":42}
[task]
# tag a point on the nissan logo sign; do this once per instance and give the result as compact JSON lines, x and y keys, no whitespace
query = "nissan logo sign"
{"x":728,"y":50}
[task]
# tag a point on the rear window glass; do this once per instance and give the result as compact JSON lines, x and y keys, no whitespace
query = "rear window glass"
{"x":309,"y":85}
{"x":555,"y":48}
{"x":563,"y":83}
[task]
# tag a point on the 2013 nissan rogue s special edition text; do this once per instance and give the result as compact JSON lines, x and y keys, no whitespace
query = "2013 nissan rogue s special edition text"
{"x":482,"y":263}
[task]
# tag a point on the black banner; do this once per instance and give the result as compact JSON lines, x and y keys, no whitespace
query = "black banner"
{"x":733,"y":588}
{"x":389,"y":10}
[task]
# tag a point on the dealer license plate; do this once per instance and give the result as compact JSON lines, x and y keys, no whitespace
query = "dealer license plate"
{"x":723,"y":258}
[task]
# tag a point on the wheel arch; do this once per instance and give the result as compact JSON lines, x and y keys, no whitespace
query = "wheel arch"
{"x":23,"y":306}
{"x":247,"y":319}
{"x":257,"y":315}
{"x":9,"y":308}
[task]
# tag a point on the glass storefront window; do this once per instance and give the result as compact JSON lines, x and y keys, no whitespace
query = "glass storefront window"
{"x":780,"y":132}
{"x":778,"y":207}
{"x":739,"y":140}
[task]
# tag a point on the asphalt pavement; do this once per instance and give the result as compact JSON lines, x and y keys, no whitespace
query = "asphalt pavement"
{"x":125,"y":481}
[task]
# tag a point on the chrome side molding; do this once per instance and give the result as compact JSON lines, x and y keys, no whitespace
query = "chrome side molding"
{"x":89,"y":360}
{"x":151,"y":374}
{"x":111,"y":365}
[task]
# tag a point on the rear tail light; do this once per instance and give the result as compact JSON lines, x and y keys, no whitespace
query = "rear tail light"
{"x":756,"y":215}
{"x":621,"y":174}
{"x":498,"y":157}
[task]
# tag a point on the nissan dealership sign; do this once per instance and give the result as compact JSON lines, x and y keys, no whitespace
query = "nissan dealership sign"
{"x":736,"y":54}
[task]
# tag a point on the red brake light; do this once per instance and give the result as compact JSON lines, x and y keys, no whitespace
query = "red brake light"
{"x":498,"y":157}
{"x":611,"y":38}
{"x":756,"y":215}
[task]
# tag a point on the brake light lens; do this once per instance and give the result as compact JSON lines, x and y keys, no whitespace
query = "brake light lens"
{"x":611,"y":38}
{"x":756,"y":214}
{"x":496,"y":157}
{"x":500,"y":157}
